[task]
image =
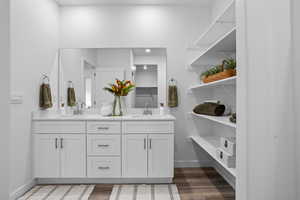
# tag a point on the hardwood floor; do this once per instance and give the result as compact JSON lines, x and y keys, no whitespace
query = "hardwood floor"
{"x":192,"y":183}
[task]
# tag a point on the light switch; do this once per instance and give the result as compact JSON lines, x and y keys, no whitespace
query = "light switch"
{"x":16,"y":99}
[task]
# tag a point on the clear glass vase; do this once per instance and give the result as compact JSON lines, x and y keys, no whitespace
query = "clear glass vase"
{"x":117,"y":106}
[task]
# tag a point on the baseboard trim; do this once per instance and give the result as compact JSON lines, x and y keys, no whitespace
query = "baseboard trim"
{"x":22,"y":190}
{"x":192,"y":163}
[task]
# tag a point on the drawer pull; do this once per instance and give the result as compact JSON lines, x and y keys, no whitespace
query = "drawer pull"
{"x":103,"y":145}
{"x":103,"y":128}
{"x":103,"y":168}
{"x":221,"y":155}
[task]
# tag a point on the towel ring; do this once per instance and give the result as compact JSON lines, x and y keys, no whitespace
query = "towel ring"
{"x":45,"y":78}
{"x":70,"y":84}
{"x":172,"y":81}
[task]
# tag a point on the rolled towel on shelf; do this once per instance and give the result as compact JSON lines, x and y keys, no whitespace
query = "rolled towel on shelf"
{"x":208,"y":108}
{"x":45,"y":100}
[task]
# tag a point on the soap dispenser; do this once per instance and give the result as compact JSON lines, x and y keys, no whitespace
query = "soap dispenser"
{"x":162,"y":110}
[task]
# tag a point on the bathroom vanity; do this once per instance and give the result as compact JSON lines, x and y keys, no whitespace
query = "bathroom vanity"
{"x":96,"y":149}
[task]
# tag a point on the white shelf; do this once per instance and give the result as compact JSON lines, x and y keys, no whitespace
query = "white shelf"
{"x":210,"y":145}
{"x":226,"y":44}
{"x":224,"y":22}
{"x":224,"y":120}
{"x":227,"y":81}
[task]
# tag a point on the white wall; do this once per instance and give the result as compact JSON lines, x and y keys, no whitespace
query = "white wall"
{"x":296,"y":61}
{"x":34,"y":42}
{"x":269,"y":133}
{"x":173,"y":27}
{"x":4,"y":100}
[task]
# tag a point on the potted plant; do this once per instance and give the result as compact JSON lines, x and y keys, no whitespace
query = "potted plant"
{"x":219,"y":72}
{"x":119,"y":89}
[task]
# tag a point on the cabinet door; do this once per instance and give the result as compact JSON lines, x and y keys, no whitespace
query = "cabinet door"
{"x":73,"y":156}
{"x":46,"y":156}
{"x":134,"y":155}
{"x":161,"y":155}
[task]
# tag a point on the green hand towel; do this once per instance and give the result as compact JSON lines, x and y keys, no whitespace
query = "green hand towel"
{"x":45,"y":99}
{"x":173,"y":96}
{"x":213,"y":109}
{"x":71,"y":97}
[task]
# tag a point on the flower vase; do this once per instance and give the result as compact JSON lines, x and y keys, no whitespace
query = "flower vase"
{"x":117,"y":107}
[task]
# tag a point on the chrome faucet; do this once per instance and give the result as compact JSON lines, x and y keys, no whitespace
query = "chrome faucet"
{"x":147,"y":111}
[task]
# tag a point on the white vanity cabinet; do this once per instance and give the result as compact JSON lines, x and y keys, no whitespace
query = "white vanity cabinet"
{"x":148,"y":155}
{"x":97,"y":149}
{"x":59,"y":155}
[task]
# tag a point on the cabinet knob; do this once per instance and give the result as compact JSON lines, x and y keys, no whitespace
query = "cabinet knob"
{"x":221,"y":155}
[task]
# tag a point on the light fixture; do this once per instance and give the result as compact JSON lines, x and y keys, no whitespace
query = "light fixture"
{"x":133,"y":68}
{"x":145,"y":67}
{"x":148,"y":50}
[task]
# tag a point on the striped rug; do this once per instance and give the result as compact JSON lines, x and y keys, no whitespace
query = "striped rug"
{"x":59,"y":192}
{"x":145,"y":192}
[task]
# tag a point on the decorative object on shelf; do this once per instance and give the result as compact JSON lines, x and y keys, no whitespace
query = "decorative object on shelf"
{"x":45,"y":97}
{"x":71,"y":94}
{"x":233,"y":118}
{"x":173,"y":94}
{"x":119,"y":89}
{"x":209,"y":108}
{"x":219,"y":72}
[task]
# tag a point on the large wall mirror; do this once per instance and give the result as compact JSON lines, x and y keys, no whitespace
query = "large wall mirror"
{"x":88,"y":71}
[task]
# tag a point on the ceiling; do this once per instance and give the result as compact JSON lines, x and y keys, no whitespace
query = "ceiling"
{"x":134,"y":2}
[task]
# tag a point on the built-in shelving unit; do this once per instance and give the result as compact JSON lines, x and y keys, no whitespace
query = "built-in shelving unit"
{"x":224,"y":120}
{"x":219,"y":36}
{"x":224,"y":45}
{"x":224,"y":22}
{"x":214,"y":45}
{"x":210,"y":144}
{"x":227,"y":81}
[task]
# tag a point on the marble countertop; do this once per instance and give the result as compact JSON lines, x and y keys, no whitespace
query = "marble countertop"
{"x":98,"y":117}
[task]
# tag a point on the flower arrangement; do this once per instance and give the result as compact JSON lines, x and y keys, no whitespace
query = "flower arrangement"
{"x":118,"y":89}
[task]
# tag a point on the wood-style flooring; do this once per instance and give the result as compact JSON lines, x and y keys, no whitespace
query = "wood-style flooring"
{"x":192,"y":183}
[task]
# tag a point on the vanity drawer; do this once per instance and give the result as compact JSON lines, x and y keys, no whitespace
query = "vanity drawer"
{"x":148,"y":127}
{"x":227,"y":159}
{"x":104,"y":127}
{"x":104,"y":167}
{"x":104,"y":145}
{"x":56,"y":127}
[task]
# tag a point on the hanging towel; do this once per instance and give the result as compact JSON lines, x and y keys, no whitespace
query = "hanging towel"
{"x":173,"y":96}
{"x":45,"y":100}
{"x":208,"y":108}
{"x":71,"y":97}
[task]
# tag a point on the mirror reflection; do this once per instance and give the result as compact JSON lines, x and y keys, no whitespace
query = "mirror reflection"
{"x":85,"y":72}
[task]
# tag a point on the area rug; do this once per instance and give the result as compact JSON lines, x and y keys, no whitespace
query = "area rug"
{"x":145,"y":192}
{"x":59,"y":192}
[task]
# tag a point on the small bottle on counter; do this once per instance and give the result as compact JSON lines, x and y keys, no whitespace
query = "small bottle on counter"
{"x":162,"y":110}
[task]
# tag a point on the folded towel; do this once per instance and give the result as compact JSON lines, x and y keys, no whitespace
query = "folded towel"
{"x":45,"y":99}
{"x":173,"y":96}
{"x":213,"y":109}
{"x":71,"y":97}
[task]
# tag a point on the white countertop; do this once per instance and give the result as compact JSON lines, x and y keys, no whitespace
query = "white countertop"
{"x":96,"y":117}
